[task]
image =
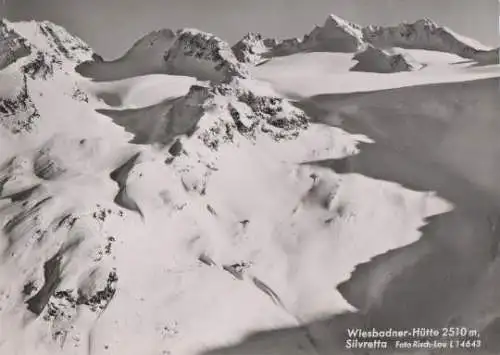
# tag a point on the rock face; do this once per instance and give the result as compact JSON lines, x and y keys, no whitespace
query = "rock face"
{"x":428,"y":35}
{"x":18,"y":113}
{"x":204,"y":56}
{"x":377,"y":60}
{"x":246,"y":112}
{"x":253,"y":47}
{"x":287,"y":47}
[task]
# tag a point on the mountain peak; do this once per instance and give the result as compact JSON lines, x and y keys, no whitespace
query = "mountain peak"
{"x":46,"y":44}
{"x":51,"y":38}
{"x":252,"y":47}
{"x":203,"y":55}
{"x":336,"y":35}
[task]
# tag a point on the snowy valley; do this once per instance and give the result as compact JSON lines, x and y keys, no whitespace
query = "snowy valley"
{"x":198,"y":198}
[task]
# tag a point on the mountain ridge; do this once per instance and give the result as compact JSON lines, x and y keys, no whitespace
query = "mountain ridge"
{"x":339,"y":35}
{"x":183,"y":223}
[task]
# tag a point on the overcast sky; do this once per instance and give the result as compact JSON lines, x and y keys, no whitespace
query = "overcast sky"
{"x":111,"y":26}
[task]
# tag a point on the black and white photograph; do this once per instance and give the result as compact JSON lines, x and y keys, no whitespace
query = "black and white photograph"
{"x":236,"y":177}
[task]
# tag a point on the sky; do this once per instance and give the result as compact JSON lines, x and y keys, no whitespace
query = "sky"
{"x":112,"y":26}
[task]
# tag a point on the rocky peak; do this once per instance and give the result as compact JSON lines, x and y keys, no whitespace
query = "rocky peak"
{"x":240,"y":111}
{"x":252,"y":47}
{"x":43,"y":47}
{"x":204,"y":56}
{"x":372,"y":59}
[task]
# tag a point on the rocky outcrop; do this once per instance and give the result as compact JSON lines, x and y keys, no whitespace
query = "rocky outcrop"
{"x":18,"y":113}
{"x":204,"y":56}
{"x":377,"y":60}
{"x":240,"y":112}
{"x":12,"y":46}
{"x":253,"y":47}
{"x":286,"y":47}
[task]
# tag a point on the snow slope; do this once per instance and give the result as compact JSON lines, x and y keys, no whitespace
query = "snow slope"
{"x":139,"y":91}
{"x":140,"y":216}
{"x":309,"y":74}
{"x":440,"y":137}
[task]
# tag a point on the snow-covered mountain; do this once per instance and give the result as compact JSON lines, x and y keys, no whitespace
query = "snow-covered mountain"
{"x":143,"y":58}
{"x":47,"y":52}
{"x":175,"y":201}
{"x":49,"y":44}
{"x":204,"y":56}
{"x":339,"y":35}
{"x":427,"y":34}
{"x":184,"y":52}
